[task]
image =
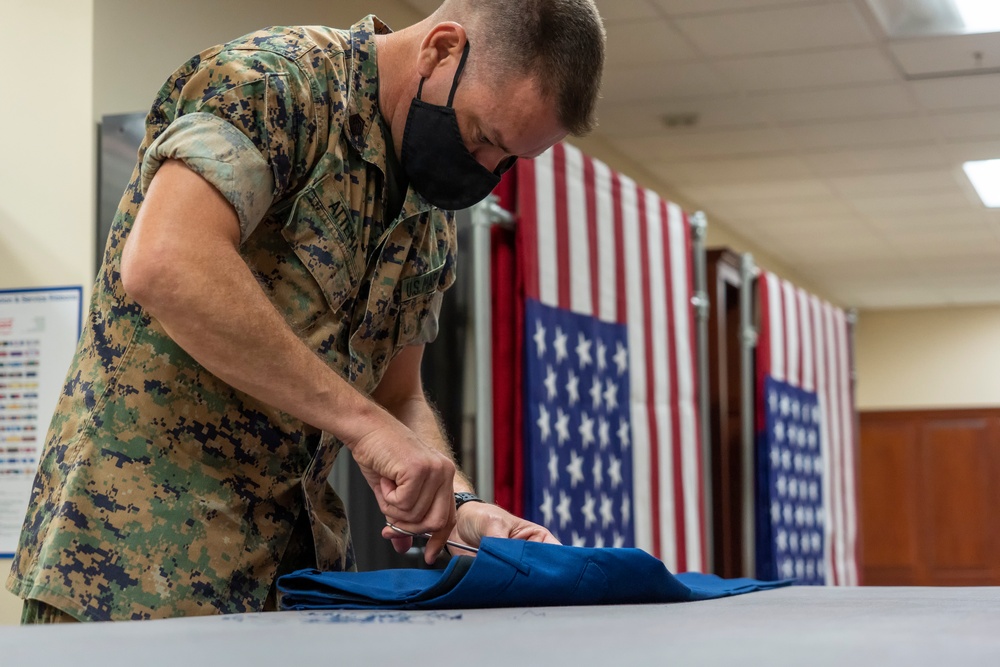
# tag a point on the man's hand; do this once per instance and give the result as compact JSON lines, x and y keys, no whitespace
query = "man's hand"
{"x":412,"y":481}
{"x":479,"y":520}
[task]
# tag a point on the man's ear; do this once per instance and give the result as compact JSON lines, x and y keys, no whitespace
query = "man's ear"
{"x":444,"y":41}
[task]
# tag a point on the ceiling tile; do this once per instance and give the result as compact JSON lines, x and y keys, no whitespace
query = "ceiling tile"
{"x":959,"y":218}
{"x":865,"y":133}
{"x":651,"y":82}
{"x":941,"y":180}
{"x":782,"y":190}
{"x":646,"y":41}
{"x":963,"y":151}
{"x":954,"y":53}
{"x":626,"y":10}
{"x":714,"y":172}
{"x":699,"y":144}
{"x":965,"y":92}
{"x":798,"y":209}
{"x":862,"y":161}
{"x":808,"y":70}
{"x":775,"y":30}
{"x":909,"y":203}
{"x":968,"y":124}
{"x":681,"y":7}
{"x":833,"y":104}
{"x":636,"y":119}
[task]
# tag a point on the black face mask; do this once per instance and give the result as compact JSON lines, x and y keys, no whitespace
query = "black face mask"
{"x":435,"y":158}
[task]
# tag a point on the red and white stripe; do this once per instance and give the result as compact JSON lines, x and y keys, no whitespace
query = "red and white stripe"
{"x":610,"y":249}
{"x":806,"y":345}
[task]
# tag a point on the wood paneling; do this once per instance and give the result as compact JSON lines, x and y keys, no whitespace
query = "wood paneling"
{"x":930,"y":497}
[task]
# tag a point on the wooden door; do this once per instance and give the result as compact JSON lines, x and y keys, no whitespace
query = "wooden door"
{"x":929,"y":498}
{"x":725,"y":416}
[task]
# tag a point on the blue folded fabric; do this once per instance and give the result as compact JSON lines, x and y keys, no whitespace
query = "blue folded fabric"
{"x":512,"y":573}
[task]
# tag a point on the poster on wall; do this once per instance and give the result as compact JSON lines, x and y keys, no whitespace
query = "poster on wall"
{"x":39,"y":329}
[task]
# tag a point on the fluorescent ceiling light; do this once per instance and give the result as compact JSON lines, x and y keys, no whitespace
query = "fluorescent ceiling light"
{"x":922,"y":18}
{"x":979,"y":15}
{"x":985,"y":177}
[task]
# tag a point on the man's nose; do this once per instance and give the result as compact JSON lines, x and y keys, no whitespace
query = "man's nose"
{"x":491,"y":157}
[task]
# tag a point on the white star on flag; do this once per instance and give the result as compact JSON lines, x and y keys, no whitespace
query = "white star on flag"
{"x":563,"y":510}
{"x":550,"y":382}
{"x":575,"y":469}
{"x":560,"y":345}
{"x":546,"y":507}
{"x":543,"y":423}
{"x":587,"y":430}
{"x":621,"y":359}
{"x":583,"y":351}
{"x":553,"y":467}
{"x":573,"y":388}
{"x":562,"y":425}
{"x":786,"y":405}
{"x":615,"y":472}
{"x":775,"y":457}
{"x":772,"y":400}
{"x":607,"y":511}
{"x":619,"y":540}
{"x":782,"y":541}
{"x":623,"y":434}
{"x":611,"y":396}
{"x":539,"y":338}
{"x":598,"y":541}
{"x":602,"y":355}
{"x":604,"y":432}
{"x":589,"y":517}
{"x":626,"y":509}
{"x":598,"y":471}
{"x":579,"y":540}
{"x":775,"y":512}
{"x":595,"y":393}
{"x":779,"y":431}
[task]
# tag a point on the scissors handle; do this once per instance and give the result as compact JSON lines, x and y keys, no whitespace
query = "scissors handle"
{"x":456,"y":545}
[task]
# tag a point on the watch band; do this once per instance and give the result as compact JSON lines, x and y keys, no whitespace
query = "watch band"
{"x":465,"y":497}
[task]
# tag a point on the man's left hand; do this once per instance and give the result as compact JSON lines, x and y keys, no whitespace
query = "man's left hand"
{"x":479,"y":520}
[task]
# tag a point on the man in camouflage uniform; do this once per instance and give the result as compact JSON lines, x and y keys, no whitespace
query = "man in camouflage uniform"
{"x":273,"y":272}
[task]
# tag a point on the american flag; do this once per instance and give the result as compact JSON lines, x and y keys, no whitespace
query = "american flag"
{"x":611,"y":428}
{"x":807,"y":512}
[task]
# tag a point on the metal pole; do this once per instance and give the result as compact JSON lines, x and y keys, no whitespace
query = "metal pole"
{"x":484,"y":215}
{"x":748,"y":341}
{"x":702,"y":305}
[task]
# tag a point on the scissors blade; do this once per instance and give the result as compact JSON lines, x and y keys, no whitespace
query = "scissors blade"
{"x":456,"y":545}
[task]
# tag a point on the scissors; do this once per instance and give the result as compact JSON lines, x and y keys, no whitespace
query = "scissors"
{"x":456,"y":545}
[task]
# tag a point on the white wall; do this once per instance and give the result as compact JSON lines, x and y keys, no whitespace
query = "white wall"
{"x":139,"y":44}
{"x":47,"y":196}
{"x":932,"y":358}
{"x":47,"y":174}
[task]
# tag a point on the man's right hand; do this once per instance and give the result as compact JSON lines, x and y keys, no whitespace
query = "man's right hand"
{"x":412,"y":481}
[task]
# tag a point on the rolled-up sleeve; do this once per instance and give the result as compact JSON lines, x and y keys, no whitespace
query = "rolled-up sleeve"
{"x":430,"y":324}
{"x":222,"y":155}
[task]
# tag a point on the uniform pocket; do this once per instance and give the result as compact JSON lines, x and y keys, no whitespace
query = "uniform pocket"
{"x":323,"y":236}
{"x":419,"y":307}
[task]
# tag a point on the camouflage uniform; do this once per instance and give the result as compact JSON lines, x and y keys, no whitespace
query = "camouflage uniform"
{"x":163,"y":491}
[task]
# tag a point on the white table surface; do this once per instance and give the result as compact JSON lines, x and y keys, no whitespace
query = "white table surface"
{"x":789,"y":626}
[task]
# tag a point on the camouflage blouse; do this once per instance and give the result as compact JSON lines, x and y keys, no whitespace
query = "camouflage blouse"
{"x":163,"y":491}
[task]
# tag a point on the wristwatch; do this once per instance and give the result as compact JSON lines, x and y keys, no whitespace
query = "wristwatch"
{"x":465,"y":497}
